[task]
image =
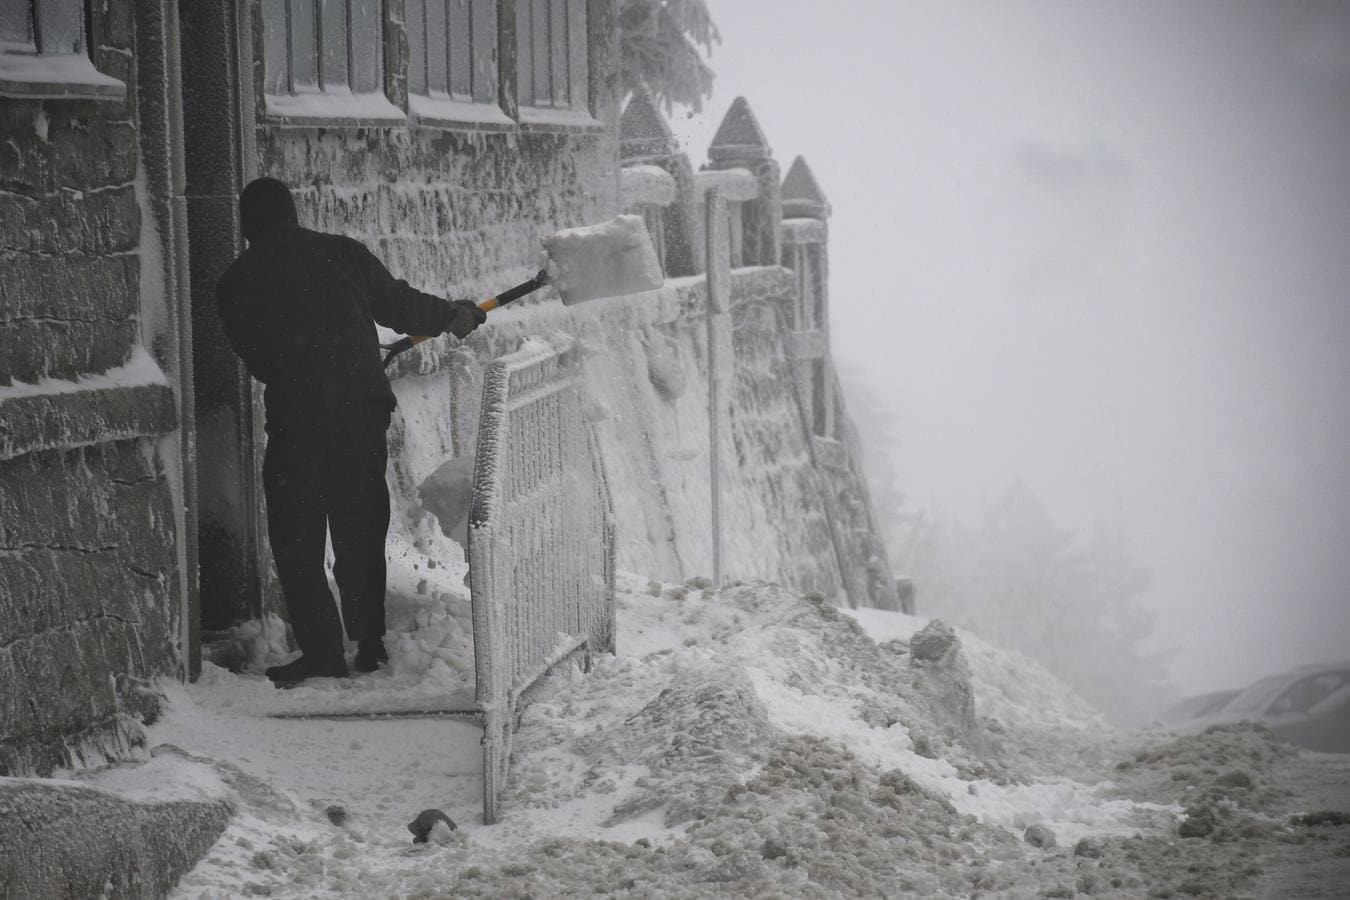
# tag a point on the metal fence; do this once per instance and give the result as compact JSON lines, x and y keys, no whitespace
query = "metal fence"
{"x":541,"y":539}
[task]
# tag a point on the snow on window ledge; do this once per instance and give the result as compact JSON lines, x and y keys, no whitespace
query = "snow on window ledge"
{"x":47,"y":76}
{"x":443,"y":112}
{"x":541,"y":118}
{"x":332,"y":108}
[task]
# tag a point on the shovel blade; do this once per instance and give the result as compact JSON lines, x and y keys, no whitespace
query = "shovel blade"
{"x":606,"y":260}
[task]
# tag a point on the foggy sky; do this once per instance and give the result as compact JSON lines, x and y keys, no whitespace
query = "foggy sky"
{"x":1103,"y":247}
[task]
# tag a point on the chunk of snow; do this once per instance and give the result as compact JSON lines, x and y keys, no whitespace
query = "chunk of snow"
{"x":605,"y":260}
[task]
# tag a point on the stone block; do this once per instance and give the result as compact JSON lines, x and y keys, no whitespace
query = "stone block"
{"x":79,"y":418}
{"x":46,"y":678}
{"x":71,"y":145}
{"x":66,"y":840}
{"x":24,"y":166}
{"x":88,"y":154}
{"x":61,"y":689}
{"x":85,"y":288}
{"x":71,"y":221}
{"x":66,"y":500}
{"x":65,"y":349}
{"x":46,"y":587}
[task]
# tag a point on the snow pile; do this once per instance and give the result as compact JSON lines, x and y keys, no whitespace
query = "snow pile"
{"x":746,"y":741}
{"x":818,"y":674}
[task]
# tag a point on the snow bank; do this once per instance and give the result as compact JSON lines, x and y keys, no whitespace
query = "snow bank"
{"x":747,"y":741}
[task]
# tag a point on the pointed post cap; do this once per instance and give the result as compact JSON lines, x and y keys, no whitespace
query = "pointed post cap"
{"x":643,"y":131}
{"x":802,"y":196}
{"x":739,"y":137}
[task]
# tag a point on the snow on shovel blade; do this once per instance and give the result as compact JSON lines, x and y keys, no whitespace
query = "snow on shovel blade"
{"x":605,"y":260}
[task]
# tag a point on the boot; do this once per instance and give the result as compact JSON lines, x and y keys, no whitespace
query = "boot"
{"x":370,"y":653}
{"x":294,"y":672}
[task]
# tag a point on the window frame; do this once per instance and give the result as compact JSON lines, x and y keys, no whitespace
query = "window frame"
{"x":318,"y":102}
{"x":30,"y":71}
{"x":576,"y":112}
{"x":480,"y":106}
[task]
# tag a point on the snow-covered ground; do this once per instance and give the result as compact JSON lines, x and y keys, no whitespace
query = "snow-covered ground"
{"x":746,"y":741}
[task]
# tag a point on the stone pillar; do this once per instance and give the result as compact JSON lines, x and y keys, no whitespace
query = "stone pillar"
{"x":646,"y":139}
{"x":805,"y":250}
{"x":217,"y":40}
{"x":740,"y":144}
{"x":834,"y":443}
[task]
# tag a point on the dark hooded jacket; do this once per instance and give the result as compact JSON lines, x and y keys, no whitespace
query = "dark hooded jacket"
{"x":300,"y":307}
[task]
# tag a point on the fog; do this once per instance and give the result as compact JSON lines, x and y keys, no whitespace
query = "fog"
{"x":1105,"y":248}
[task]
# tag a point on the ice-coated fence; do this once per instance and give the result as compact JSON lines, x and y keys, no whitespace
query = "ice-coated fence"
{"x":541,"y":539}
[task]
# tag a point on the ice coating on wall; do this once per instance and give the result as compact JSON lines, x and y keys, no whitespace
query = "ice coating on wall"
{"x":646,"y":389}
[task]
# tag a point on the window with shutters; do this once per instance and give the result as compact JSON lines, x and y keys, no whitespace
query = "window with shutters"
{"x":552,"y":62}
{"x":44,"y":52}
{"x":452,"y":61}
{"x":324,"y":59}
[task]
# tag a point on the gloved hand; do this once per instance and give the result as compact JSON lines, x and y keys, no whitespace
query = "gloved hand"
{"x":465,"y":316}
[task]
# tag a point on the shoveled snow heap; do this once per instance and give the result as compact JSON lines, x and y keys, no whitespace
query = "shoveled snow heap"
{"x":748,"y":741}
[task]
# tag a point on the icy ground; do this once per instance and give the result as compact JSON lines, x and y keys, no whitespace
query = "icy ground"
{"x":746,"y":742}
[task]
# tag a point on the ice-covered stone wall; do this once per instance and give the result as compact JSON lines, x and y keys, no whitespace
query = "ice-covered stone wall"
{"x":91,"y":537}
{"x":788,"y":502}
{"x":646,"y":358}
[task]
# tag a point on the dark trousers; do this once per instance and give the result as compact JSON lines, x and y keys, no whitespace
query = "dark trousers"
{"x":321,"y":476}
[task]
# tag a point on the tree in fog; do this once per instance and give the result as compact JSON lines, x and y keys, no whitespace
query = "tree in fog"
{"x":659,"y":43}
{"x":879,"y":434}
{"x":1021,"y":581}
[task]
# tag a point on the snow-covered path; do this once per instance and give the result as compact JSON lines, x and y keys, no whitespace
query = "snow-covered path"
{"x":748,"y":742}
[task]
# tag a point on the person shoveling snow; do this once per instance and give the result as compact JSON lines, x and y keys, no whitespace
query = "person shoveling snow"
{"x":300,"y":308}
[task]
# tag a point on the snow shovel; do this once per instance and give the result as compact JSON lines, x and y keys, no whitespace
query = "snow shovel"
{"x":605,"y":260}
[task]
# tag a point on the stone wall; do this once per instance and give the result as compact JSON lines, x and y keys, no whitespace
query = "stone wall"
{"x":91,"y":579}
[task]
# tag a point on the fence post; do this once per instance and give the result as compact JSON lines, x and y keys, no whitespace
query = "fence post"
{"x":719,"y":355}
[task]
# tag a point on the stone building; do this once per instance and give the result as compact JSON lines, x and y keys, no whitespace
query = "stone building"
{"x":449,"y":135}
